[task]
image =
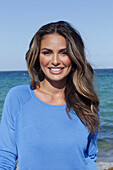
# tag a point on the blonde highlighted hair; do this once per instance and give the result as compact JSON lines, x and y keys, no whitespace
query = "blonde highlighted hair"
{"x":80,"y":94}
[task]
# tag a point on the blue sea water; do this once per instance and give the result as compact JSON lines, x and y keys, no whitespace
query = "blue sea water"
{"x":104,"y":85}
{"x":104,"y":82}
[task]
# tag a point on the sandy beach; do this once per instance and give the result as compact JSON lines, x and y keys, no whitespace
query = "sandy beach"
{"x":104,"y":165}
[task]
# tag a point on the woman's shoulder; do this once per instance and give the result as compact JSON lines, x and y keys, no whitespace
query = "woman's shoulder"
{"x":19,"y":94}
{"x":16,"y":98}
{"x":18,"y":90}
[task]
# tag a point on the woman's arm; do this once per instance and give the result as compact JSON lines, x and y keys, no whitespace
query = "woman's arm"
{"x":92,"y":149}
{"x":8,"y":150}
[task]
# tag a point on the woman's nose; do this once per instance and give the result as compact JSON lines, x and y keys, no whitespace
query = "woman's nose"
{"x":55,"y":59}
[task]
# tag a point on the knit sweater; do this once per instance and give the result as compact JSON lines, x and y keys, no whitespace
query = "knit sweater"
{"x":42,"y":136}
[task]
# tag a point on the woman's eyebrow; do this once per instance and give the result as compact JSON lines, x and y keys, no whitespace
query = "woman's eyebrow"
{"x":46,"y":49}
{"x":62,"y":50}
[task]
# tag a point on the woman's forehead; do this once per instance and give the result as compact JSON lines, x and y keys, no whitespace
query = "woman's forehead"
{"x":53,"y":40}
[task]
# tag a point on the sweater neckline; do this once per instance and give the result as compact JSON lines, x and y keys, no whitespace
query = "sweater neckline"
{"x":44,"y":103}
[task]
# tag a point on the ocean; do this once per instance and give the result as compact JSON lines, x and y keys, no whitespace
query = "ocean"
{"x":103,"y":81}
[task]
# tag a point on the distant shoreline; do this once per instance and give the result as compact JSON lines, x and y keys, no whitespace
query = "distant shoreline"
{"x":27,"y":70}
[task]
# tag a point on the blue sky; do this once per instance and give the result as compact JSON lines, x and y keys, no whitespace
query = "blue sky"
{"x":19,"y":20}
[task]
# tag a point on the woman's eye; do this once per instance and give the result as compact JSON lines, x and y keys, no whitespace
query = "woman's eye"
{"x":46,"y":52}
{"x":65,"y":53}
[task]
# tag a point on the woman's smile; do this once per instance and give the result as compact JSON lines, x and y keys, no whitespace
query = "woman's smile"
{"x":56,"y":70}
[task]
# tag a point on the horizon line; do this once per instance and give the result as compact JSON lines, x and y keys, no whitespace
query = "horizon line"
{"x":27,"y":70}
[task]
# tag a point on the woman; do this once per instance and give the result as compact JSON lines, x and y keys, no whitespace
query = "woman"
{"x":52,"y":124}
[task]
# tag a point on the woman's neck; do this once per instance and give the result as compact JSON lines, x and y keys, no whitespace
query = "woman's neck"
{"x":53,"y":87}
{"x":51,"y":92}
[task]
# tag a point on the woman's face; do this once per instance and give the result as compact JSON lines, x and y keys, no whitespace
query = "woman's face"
{"x":54,"y":60}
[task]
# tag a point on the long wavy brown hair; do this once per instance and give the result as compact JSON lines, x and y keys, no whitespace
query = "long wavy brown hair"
{"x":80,"y":94}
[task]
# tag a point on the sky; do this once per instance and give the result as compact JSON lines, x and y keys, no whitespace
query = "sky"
{"x":20,"y":20}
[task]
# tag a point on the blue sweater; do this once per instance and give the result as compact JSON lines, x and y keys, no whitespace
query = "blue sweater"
{"x":42,"y":136}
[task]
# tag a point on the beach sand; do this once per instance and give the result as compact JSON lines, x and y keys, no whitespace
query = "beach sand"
{"x":104,"y":165}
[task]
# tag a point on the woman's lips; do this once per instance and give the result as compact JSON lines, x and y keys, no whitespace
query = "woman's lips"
{"x":56,"y":70}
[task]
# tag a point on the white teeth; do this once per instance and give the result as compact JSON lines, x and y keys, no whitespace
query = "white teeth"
{"x":54,"y":69}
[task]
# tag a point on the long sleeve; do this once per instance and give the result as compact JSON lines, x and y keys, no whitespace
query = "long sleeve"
{"x":8,"y":150}
{"x":92,"y":149}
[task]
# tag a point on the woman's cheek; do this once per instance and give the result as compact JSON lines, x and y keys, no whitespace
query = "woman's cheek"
{"x":43,"y":61}
{"x":67,"y":61}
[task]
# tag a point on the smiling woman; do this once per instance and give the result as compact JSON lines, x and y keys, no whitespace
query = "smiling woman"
{"x":55,"y":65}
{"x":53,"y":123}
